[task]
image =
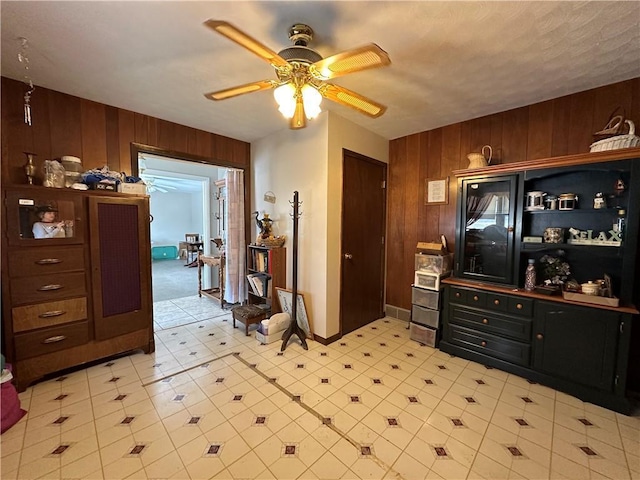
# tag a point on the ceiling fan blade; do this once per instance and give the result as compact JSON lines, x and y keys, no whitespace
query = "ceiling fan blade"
{"x":350,"y":61}
{"x":244,"y":40}
{"x":299,"y":120}
{"x":352,"y":99}
{"x":241,"y":90}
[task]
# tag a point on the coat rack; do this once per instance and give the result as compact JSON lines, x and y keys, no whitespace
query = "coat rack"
{"x":294,"y":328}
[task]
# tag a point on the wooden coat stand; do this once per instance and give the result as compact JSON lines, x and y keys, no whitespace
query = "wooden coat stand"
{"x":294,"y":328}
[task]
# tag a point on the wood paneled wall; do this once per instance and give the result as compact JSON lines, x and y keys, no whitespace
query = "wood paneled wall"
{"x":99,"y":134}
{"x":562,"y":126}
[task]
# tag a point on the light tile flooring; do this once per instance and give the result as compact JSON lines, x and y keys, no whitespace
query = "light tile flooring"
{"x":213,"y":403}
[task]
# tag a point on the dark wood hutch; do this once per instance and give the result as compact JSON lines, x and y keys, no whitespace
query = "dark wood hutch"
{"x":581,"y":348}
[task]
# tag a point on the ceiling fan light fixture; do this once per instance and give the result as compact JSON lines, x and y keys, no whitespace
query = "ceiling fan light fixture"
{"x":285,"y":96}
{"x":311,"y":99}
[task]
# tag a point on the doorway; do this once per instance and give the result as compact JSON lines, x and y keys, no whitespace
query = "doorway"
{"x":363,"y":236}
{"x":183,"y":202}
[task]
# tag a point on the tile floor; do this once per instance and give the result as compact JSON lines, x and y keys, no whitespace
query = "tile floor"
{"x":213,"y":403}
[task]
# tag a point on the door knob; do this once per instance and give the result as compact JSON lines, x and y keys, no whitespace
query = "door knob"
{"x":348,"y":256}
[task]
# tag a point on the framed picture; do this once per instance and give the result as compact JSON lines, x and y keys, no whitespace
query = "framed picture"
{"x":436,"y":191}
{"x":284,"y":297}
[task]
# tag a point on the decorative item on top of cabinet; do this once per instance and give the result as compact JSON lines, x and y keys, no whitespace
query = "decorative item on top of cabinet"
{"x":77,"y":298}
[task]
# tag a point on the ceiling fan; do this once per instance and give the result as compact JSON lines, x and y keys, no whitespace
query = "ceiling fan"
{"x":302,"y":73}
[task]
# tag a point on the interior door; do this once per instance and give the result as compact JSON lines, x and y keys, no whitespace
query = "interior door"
{"x":363,"y":230}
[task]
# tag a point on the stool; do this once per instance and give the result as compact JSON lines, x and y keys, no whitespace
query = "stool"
{"x":248,"y":314}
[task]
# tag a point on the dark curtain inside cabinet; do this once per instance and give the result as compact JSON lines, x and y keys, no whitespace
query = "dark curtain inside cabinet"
{"x":119,"y":259}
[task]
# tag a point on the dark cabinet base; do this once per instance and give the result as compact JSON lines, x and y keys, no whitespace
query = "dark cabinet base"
{"x":577,"y":349}
{"x":608,"y":400}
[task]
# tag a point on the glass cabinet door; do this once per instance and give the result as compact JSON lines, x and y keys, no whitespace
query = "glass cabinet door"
{"x":44,"y":216}
{"x":486,"y":221}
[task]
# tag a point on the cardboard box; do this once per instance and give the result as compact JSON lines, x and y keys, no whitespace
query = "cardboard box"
{"x":267,"y":339}
{"x":132,"y":188}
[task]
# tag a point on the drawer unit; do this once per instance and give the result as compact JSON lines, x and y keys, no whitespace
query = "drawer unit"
{"x":426,"y":298}
{"x":513,"y":327}
{"x":421,"y":334}
{"x":40,"y":315}
{"x":511,"y":351}
{"x":44,"y":288}
{"x":425,"y":316}
{"x":48,"y":340}
{"x":39,"y":261}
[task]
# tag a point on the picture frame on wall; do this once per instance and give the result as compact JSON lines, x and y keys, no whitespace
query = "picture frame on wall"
{"x":284,"y":297}
{"x":436,"y":191}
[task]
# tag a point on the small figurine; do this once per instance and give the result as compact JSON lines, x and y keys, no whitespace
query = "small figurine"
{"x":619,"y":187}
{"x":599,"y":201}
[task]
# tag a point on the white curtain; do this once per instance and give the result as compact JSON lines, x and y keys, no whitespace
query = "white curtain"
{"x":235,"y":248}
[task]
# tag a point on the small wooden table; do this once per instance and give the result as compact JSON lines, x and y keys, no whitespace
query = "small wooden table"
{"x":216,"y":293}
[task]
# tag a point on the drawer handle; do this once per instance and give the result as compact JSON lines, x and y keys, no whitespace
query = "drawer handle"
{"x":485,"y":321}
{"x":519,"y":306}
{"x":52,"y":313}
{"x":539,"y":336}
{"x":55,"y":339}
{"x":48,"y":261}
{"x":458,"y":295}
{"x":483,"y":343}
{"x":475,"y":297}
{"x":496,"y":302}
{"x":48,"y":288}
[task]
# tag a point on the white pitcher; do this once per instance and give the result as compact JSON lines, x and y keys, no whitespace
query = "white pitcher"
{"x":479,"y":160}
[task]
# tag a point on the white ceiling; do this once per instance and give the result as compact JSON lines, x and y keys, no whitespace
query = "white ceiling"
{"x":451,"y":61}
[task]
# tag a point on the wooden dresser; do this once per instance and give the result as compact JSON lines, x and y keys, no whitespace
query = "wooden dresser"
{"x":77,"y":298}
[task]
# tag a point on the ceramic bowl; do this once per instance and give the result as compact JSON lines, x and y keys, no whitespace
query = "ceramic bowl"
{"x":590,"y":288}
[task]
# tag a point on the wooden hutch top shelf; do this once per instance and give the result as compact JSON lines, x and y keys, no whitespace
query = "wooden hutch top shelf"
{"x":553,"y":162}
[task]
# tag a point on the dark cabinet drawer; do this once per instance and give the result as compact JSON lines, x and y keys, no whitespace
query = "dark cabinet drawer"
{"x":490,"y":322}
{"x":44,"y":288}
{"x":508,"y":350}
{"x":48,"y":340}
{"x":520,"y":306}
{"x":497,"y":302}
{"x":39,"y":261}
{"x":475,"y":298}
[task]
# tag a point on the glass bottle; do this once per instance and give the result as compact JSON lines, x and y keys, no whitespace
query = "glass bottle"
{"x":620,"y":222}
{"x":530,"y":276}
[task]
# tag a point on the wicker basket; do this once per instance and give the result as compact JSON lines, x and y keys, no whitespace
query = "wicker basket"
{"x":619,"y":141}
{"x":271,"y":241}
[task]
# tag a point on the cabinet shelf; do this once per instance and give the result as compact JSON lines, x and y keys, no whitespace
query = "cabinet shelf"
{"x":599,"y":211}
{"x":541,"y":247}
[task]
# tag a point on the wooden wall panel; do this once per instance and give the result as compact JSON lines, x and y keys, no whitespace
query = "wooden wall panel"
{"x":65,"y":124}
{"x":396,"y":270}
{"x":561,"y":126}
{"x":126,"y":135}
{"x":99,"y":134}
{"x":540,"y":130}
{"x":94,"y":124}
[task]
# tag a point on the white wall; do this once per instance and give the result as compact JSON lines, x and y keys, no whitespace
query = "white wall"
{"x":173,"y":216}
{"x":310,"y":161}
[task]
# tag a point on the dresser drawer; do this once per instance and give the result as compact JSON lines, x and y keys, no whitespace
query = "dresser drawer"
{"x":39,"y":261}
{"x":45,"y":288}
{"x":474,"y":298}
{"x":498,"y":302}
{"x":49,"y":314}
{"x":50,"y":340}
{"x":502,"y":348}
{"x":490,"y":322}
{"x":521,"y":306}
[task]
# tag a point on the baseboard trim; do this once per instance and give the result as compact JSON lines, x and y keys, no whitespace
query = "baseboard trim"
{"x":327,"y":341}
